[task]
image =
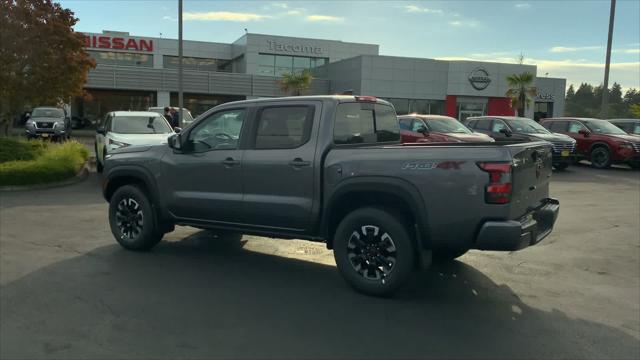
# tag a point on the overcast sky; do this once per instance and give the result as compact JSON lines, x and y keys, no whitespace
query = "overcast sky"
{"x":563,"y":38}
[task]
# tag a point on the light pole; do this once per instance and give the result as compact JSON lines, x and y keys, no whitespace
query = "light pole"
{"x":180,"y":100}
{"x":605,"y":90}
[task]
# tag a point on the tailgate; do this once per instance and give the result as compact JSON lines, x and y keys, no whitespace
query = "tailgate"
{"x":531,"y":174}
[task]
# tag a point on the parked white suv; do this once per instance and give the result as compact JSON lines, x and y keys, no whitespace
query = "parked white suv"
{"x":129,"y":128}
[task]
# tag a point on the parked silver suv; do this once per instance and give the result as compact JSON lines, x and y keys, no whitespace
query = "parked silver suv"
{"x":48,"y":122}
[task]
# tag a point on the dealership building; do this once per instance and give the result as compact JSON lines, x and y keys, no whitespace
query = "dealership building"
{"x":135,"y":73}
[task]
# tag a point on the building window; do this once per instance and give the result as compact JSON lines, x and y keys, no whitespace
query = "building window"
{"x":277,"y":65}
{"x":121,"y":58}
{"x":199,"y":64}
{"x":99,"y":102}
{"x":199,"y":103}
{"x":542,"y":110}
{"x":417,"y":106}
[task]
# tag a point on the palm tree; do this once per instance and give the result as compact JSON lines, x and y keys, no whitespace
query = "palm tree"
{"x":520,"y":91}
{"x":296,"y":82}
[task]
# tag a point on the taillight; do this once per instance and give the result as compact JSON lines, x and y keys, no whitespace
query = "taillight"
{"x":366,"y":99}
{"x":498,"y":191}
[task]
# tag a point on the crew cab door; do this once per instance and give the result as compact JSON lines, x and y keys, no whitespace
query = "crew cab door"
{"x":279,"y":166}
{"x":203,"y":180}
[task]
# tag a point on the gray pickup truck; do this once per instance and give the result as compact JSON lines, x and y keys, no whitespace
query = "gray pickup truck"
{"x":332,"y":169}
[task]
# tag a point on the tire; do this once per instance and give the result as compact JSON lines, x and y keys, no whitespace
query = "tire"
{"x":139,"y":230}
{"x":561,"y":166}
{"x":99,"y":164}
{"x":447,"y":255}
{"x":360,"y":231}
{"x":600,"y":157}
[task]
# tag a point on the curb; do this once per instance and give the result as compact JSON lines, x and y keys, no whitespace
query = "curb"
{"x":82,"y":175}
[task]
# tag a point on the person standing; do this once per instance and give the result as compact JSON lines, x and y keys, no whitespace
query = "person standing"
{"x":175,"y":118}
{"x":167,"y":115}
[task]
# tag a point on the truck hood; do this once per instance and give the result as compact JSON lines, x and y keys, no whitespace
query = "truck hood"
{"x":631,"y":138}
{"x":141,"y":139}
{"x":47,"y":119}
{"x":475,"y":137}
{"x":551,"y":137}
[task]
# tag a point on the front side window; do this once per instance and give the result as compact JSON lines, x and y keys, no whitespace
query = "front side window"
{"x":406,"y":124}
{"x":139,"y":125}
{"x":285,"y":127}
{"x":575,"y":127}
{"x":220,"y":130}
{"x":498,"y":125}
{"x":358,"y":123}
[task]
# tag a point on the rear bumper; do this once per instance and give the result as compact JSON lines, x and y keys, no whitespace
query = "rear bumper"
{"x":512,"y":235}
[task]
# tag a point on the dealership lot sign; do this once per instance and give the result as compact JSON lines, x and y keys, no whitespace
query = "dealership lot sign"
{"x":117,"y":43}
{"x":479,"y":78}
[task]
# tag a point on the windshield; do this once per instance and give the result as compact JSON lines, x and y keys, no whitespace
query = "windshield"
{"x":526,"y":126}
{"x":53,"y":113}
{"x":447,"y":126}
{"x":140,"y":125}
{"x":604,"y":127}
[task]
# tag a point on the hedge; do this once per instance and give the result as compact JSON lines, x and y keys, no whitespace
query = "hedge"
{"x":50,"y":163}
{"x":12,"y":149}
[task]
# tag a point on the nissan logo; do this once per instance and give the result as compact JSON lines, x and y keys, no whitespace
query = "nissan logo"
{"x":479,"y":79}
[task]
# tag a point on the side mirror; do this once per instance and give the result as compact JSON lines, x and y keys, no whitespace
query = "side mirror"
{"x":175,"y":141}
{"x":506,"y":132}
{"x":177,"y":130}
{"x":584,"y":132}
{"x":423,"y":130}
{"x":101,"y":130}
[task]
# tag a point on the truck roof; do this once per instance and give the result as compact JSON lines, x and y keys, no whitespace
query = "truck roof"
{"x":337,"y":98}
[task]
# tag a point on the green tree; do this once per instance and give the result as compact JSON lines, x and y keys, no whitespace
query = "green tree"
{"x":615,"y":94}
{"x":43,"y":60}
{"x":634,"y":109}
{"x":571,"y":92}
{"x":521,"y":91}
{"x":296,"y":83}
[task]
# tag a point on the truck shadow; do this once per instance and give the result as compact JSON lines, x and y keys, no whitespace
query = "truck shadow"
{"x":198,"y":298}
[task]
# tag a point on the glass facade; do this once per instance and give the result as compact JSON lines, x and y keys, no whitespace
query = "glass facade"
{"x":121,"y":58}
{"x":418,"y":106}
{"x":99,"y":102}
{"x":200,"y":64}
{"x":277,"y":65}
{"x":199,"y":103}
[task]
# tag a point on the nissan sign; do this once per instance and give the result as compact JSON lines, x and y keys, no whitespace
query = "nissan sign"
{"x":117,"y":43}
{"x":479,"y":79}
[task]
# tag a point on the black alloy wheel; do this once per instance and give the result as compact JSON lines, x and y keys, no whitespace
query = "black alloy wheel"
{"x":129,"y":218}
{"x":132,"y":219}
{"x":600,"y":158}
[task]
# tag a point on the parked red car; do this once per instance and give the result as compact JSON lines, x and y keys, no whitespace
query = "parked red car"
{"x":598,"y":140}
{"x":436,"y":128}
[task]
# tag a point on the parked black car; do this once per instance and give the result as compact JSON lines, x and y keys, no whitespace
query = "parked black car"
{"x":513,"y":128}
{"x":630,"y":126}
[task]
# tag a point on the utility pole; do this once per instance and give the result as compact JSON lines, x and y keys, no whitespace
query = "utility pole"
{"x":180,"y":99}
{"x":605,"y":90}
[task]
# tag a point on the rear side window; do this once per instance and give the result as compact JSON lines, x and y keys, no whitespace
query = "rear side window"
{"x":285,"y":127}
{"x":484,"y":124}
{"x":557,"y":126}
{"x":365,"y":123}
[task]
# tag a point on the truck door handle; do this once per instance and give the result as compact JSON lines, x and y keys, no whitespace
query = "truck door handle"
{"x":298,"y":162}
{"x":228,"y":162}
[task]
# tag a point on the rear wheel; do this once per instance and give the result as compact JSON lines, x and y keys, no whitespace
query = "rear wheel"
{"x":132,"y":220}
{"x":374,"y":251}
{"x":600,"y":158}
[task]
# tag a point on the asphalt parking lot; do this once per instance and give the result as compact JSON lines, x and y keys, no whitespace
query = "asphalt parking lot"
{"x":67,"y":290}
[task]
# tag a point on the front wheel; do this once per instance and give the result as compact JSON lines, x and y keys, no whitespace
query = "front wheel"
{"x":132,"y":220}
{"x":600,"y":158}
{"x":374,"y":251}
